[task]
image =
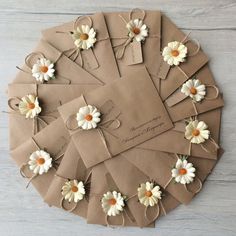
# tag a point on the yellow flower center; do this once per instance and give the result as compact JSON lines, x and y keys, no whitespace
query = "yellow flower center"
{"x":31,"y":106}
{"x":84,"y":36}
{"x":136,"y":30}
{"x":182,"y":171}
{"x":175,"y":53}
{"x":193,"y":91}
{"x":88,"y":117}
{"x":74,"y":189}
{"x":40,"y":161}
{"x":112,"y":201}
{"x":148,"y":193}
{"x":44,"y":69}
{"x":195,"y":132}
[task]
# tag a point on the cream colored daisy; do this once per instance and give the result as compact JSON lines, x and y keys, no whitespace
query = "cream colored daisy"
{"x":137,"y":30}
{"x":174,"y":53}
{"x":149,"y":194}
{"x":184,"y":172}
{"x":194,"y":89}
{"x":84,"y":36}
{"x":29,"y":106}
{"x":197,"y":132}
{"x":88,"y":117}
{"x":43,"y":70}
{"x":40,"y":162}
{"x":113,"y":203}
{"x":73,"y":190}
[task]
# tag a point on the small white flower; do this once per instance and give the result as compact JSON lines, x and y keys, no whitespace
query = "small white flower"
{"x":137,"y":30}
{"x":88,"y":117}
{"x":174,"y":53}
{"x":84,"y":36}
{"x":197,"y":132}
{"x":29,"y":106}
{"x":73,"y":191}
{"x":148,"y":194}
{"x":40,"y":162}
{"x":43,"y":70}
{"x":183,"y":172}
{"x":112,"y":203}
{"x":194,"y":89}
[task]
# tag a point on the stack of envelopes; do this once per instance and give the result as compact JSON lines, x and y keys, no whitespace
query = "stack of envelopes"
{"x":115,"y":117}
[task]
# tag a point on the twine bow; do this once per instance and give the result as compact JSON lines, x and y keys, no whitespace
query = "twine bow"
{"x":185,"y":185}
{"x":35,"y":175}
{"x":185,"y":40}
{"x":158,"y":206}
{"x":75,"y":52}
{"x":38,"y":118}
{"x":120,"y":48}
{"x":217,"y":92}
{"x":86,"y":182}
{"x":102,"y":126}
{"x":30,"y":61}
{"x":201,"y":145}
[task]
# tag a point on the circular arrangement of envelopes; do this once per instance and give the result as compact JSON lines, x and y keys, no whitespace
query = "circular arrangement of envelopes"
{"x":115,"y":117}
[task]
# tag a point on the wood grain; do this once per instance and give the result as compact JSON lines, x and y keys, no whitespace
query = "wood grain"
{"x":213,"y":23}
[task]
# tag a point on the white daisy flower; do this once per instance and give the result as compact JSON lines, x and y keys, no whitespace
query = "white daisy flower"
{"x":88,"y":117}
{"x":112,"y":203}
{"x":197,"y":132}
{"x":40,"y":162}
{"x":184,"y":172}
{"x":194,"y":89}
{"x":174,"y":53}
{"x":84,"y":36}
{"x":73,"y":191}
{"x":29,"y":106}
{"x":43,"y":70}
{"x":137,"y":30}
{"x":148,"y":194}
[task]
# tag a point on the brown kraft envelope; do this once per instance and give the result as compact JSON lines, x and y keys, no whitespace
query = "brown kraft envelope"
{"x":101,"y":183}
{"x":179,"y":106}
{"x":99,"y":60}
{"x":66,"y":71}
{"x":173,"y":140}
{"x":134,"y":109}
{"x":71,"y":168}
{"x":128,"y":178}
{"x":131,"y":55}
{"x":172,"y":77}
{"x":54,"y":140}
{"x":50,"y":97}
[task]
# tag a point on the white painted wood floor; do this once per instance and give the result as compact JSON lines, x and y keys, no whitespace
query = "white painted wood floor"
{"x":213,"y":23}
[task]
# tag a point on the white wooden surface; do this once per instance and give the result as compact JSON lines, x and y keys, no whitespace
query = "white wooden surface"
{"x":213,"y":23}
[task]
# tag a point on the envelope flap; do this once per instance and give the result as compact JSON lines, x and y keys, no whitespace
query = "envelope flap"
{"x":52,"y":35}
{"x":117,"y":26}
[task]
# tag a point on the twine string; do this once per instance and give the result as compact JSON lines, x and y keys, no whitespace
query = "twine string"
{"x":155,"y":217}
{"x":75,"y":50}
{"x":186,"y":40}
{"x":197,"y":190}
{"x":29,"y":65}
{"x":109,"y":225}
{"x":66,"y":209}
{"x":215,"y":145}
{"x":23,"y":165}
{"x":216,"y":90}
{"x":122,"y":46}
{"x":63,"y":199}
{"x":137,"y":9}
{"x":76,"y":22}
